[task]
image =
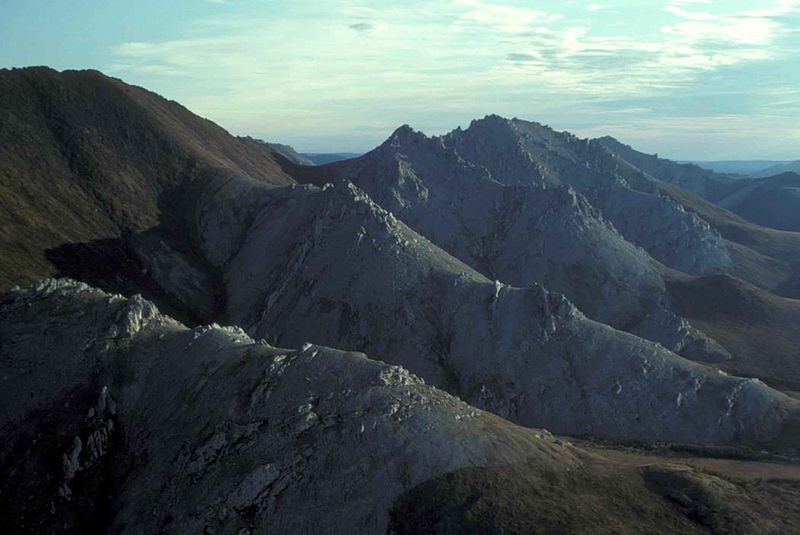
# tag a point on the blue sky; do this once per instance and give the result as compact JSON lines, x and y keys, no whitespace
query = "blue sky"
{"x":689,"y":79}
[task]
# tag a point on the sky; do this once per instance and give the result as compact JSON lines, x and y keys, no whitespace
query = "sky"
{"x":689,"y":79}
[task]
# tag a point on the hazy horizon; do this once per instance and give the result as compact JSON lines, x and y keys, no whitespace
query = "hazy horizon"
{"x":687,"y":79}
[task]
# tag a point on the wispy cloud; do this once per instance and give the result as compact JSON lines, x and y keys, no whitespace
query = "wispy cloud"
{"x":503,"y":18}
{"x":309,"y":68}
{"x":697,"y":41}
{"x":361,"y":26}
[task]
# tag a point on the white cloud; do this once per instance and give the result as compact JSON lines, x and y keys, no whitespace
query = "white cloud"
{"x":318,"y":67}
{"x":507,"y":19}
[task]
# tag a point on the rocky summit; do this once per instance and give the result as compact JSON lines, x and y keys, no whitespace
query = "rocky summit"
{"x":502,"y":329}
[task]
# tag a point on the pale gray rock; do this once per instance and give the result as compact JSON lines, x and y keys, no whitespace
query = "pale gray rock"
{"x":624,"y":193}
{"x":332,"y":267}
{"x":178,"y":273}
{"x":668,"y":232}
{"x":499,"y":196}
{"x":211,"y":429}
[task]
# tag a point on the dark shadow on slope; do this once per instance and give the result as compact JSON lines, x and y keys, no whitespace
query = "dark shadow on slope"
{"x":34,"y":496}
{"x":112,"y":265}
{"x":761,"y":330}
{"x":599,"y":497}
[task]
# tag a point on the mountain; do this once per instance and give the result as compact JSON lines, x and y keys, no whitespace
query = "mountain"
{"x":772,"y":201}
{"x":778,"y":169}
{"x":476,"y":209}
{"x":331,"y":267}
{"x":743,"y":168}
{"x":86,"y":158}
{"x":322,"y":158}
{"x":135,"y":423}
{"x":510,"y":211}
{"x":530,"y":155}
{"x":540,"y":278}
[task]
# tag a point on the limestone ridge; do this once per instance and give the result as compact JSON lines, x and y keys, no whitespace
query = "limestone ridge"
{"x":486,"y":197}
{"x":561,"y":158}
{"x":331,"y":266}
{"x":771,"y":198}
{"x":702,"y":182}
{"x":211,"y":429}
{"x":207,"y":428}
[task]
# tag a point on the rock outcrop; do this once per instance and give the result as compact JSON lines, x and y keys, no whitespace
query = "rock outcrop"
{"x":153,"y":426}
{"x":772,"y":199}
{"x":332,"y":267}
{"x":501,"y":197}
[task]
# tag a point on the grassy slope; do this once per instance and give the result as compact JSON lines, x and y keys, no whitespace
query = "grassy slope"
{"x":614,"y":491}
{"x":85,"y":157}
{"x":771,"y":202}
{"x":755,"y":313}
{"x":762,"y":330}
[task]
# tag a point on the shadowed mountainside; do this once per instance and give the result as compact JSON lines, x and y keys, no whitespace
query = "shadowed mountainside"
{"x":779,"y":169}
{"x":761,"y":326}
{"x":230,"y":435}
{"x":86,"y":157}
{"x":772,"y":200}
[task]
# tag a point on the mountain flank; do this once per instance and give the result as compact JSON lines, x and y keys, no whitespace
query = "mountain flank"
{"x":86,"y":158}
{"x":404,"y":330}
{"x":771,"y":199}
{"x":134,"y":422}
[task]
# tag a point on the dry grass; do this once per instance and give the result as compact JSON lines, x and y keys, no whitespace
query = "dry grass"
{"x":85,"y":157}
{"x":618,"y":493}
{"x":761,"y":330}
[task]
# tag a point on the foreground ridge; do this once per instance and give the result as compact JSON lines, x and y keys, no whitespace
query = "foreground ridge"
{"x":133,"y":422}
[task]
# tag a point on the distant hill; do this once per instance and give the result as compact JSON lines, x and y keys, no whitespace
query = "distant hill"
{"x":325,"y":158}
{"x":738,"y":167}
{"x":771,"y":201}
{"x":287,"y":151}
{"x":779,"y":169}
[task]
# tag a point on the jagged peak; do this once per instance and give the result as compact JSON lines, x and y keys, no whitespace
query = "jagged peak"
{"x":404,"y":135}
{"x":491,"y":119}
{"x":610,"y":139}
{"x":517,"y":128}
{"x":491,"y":129}
{"x":346,"y":196}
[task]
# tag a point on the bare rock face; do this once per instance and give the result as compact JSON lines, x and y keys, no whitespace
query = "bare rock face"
{"x":332,"y":267}
{"x":179,"y":274}
{"x":669,"y":233}
{"x":499,"y":196}
{"x":625,"y":195}
{"x":207,"y":429}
